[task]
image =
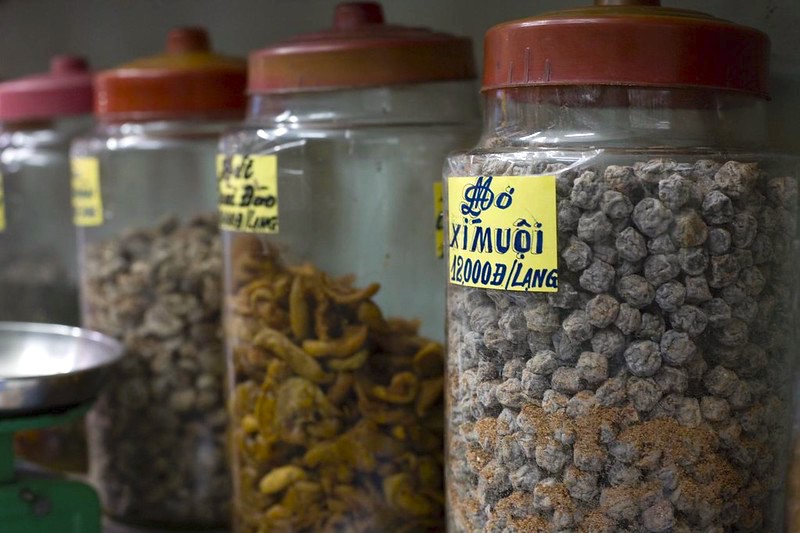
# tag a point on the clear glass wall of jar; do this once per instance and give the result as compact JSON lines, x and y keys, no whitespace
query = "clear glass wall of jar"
{"x":357,"y":242}
{"x":38,"y":277}
{"x":151,"y":278}
{"x":151,"y":273}
{"x":334,"y":313}
{"x":41,"y":114}
{"x":358,"y":162}
{"x":621,"y":356}
{"x":38,"y":258}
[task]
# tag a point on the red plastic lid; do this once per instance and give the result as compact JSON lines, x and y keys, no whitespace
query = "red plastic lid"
{"x":65,"y":90}
{"x":187,"y":80}
{"x":628,"y":43}
{"x":361,"y":50}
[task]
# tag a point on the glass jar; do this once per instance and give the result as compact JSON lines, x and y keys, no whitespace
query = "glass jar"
{"x":334,"y":298}
{"x":38,"y":265}
{"x":620,"y":260}
{"x":151,"y":271}
{"x":793,"y":487}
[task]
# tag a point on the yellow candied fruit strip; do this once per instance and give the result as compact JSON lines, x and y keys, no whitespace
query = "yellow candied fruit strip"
{"x":280,"y":478}
{"x":352,"y":340}
{"x":299,"y":361}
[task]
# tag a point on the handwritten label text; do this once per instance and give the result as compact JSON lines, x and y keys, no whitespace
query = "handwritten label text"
{"x":248,"y":193}
{"x":502,"y":232}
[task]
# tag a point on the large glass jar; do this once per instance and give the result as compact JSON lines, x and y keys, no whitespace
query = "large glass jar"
{"x":621,"y":268}
{"x":38,"y":260}
{"x":334,"y":297}
{"x":151,"y":269}
{"x":793,"y":487}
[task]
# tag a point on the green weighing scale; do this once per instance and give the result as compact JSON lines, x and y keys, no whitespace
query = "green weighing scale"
{"x":49,"y":375}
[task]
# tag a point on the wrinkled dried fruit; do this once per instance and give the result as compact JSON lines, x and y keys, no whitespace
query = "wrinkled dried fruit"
{"x":280,"y":478}
{"x":653,"y":391}
{"x":158,"y":431}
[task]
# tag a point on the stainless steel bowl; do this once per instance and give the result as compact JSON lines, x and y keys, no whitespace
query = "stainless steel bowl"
{"x":45,"y":367}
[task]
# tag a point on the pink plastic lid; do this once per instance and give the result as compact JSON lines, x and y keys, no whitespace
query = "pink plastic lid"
{"x":65,"y":90}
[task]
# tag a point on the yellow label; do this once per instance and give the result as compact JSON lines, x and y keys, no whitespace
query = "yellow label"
{"x":87,"y":201}
{"x":248,"y":193}
{"x":2,"y":206}
{"x":438,"y":213}
{"x":502,"y":232}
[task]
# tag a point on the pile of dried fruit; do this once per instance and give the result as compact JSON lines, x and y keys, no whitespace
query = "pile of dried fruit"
{"x":336,"y":411}
{"x":157,"y":434}
{"x":651,"y":392}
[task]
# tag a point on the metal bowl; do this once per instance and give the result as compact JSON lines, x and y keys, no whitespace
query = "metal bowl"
{"x":46,"y":367}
